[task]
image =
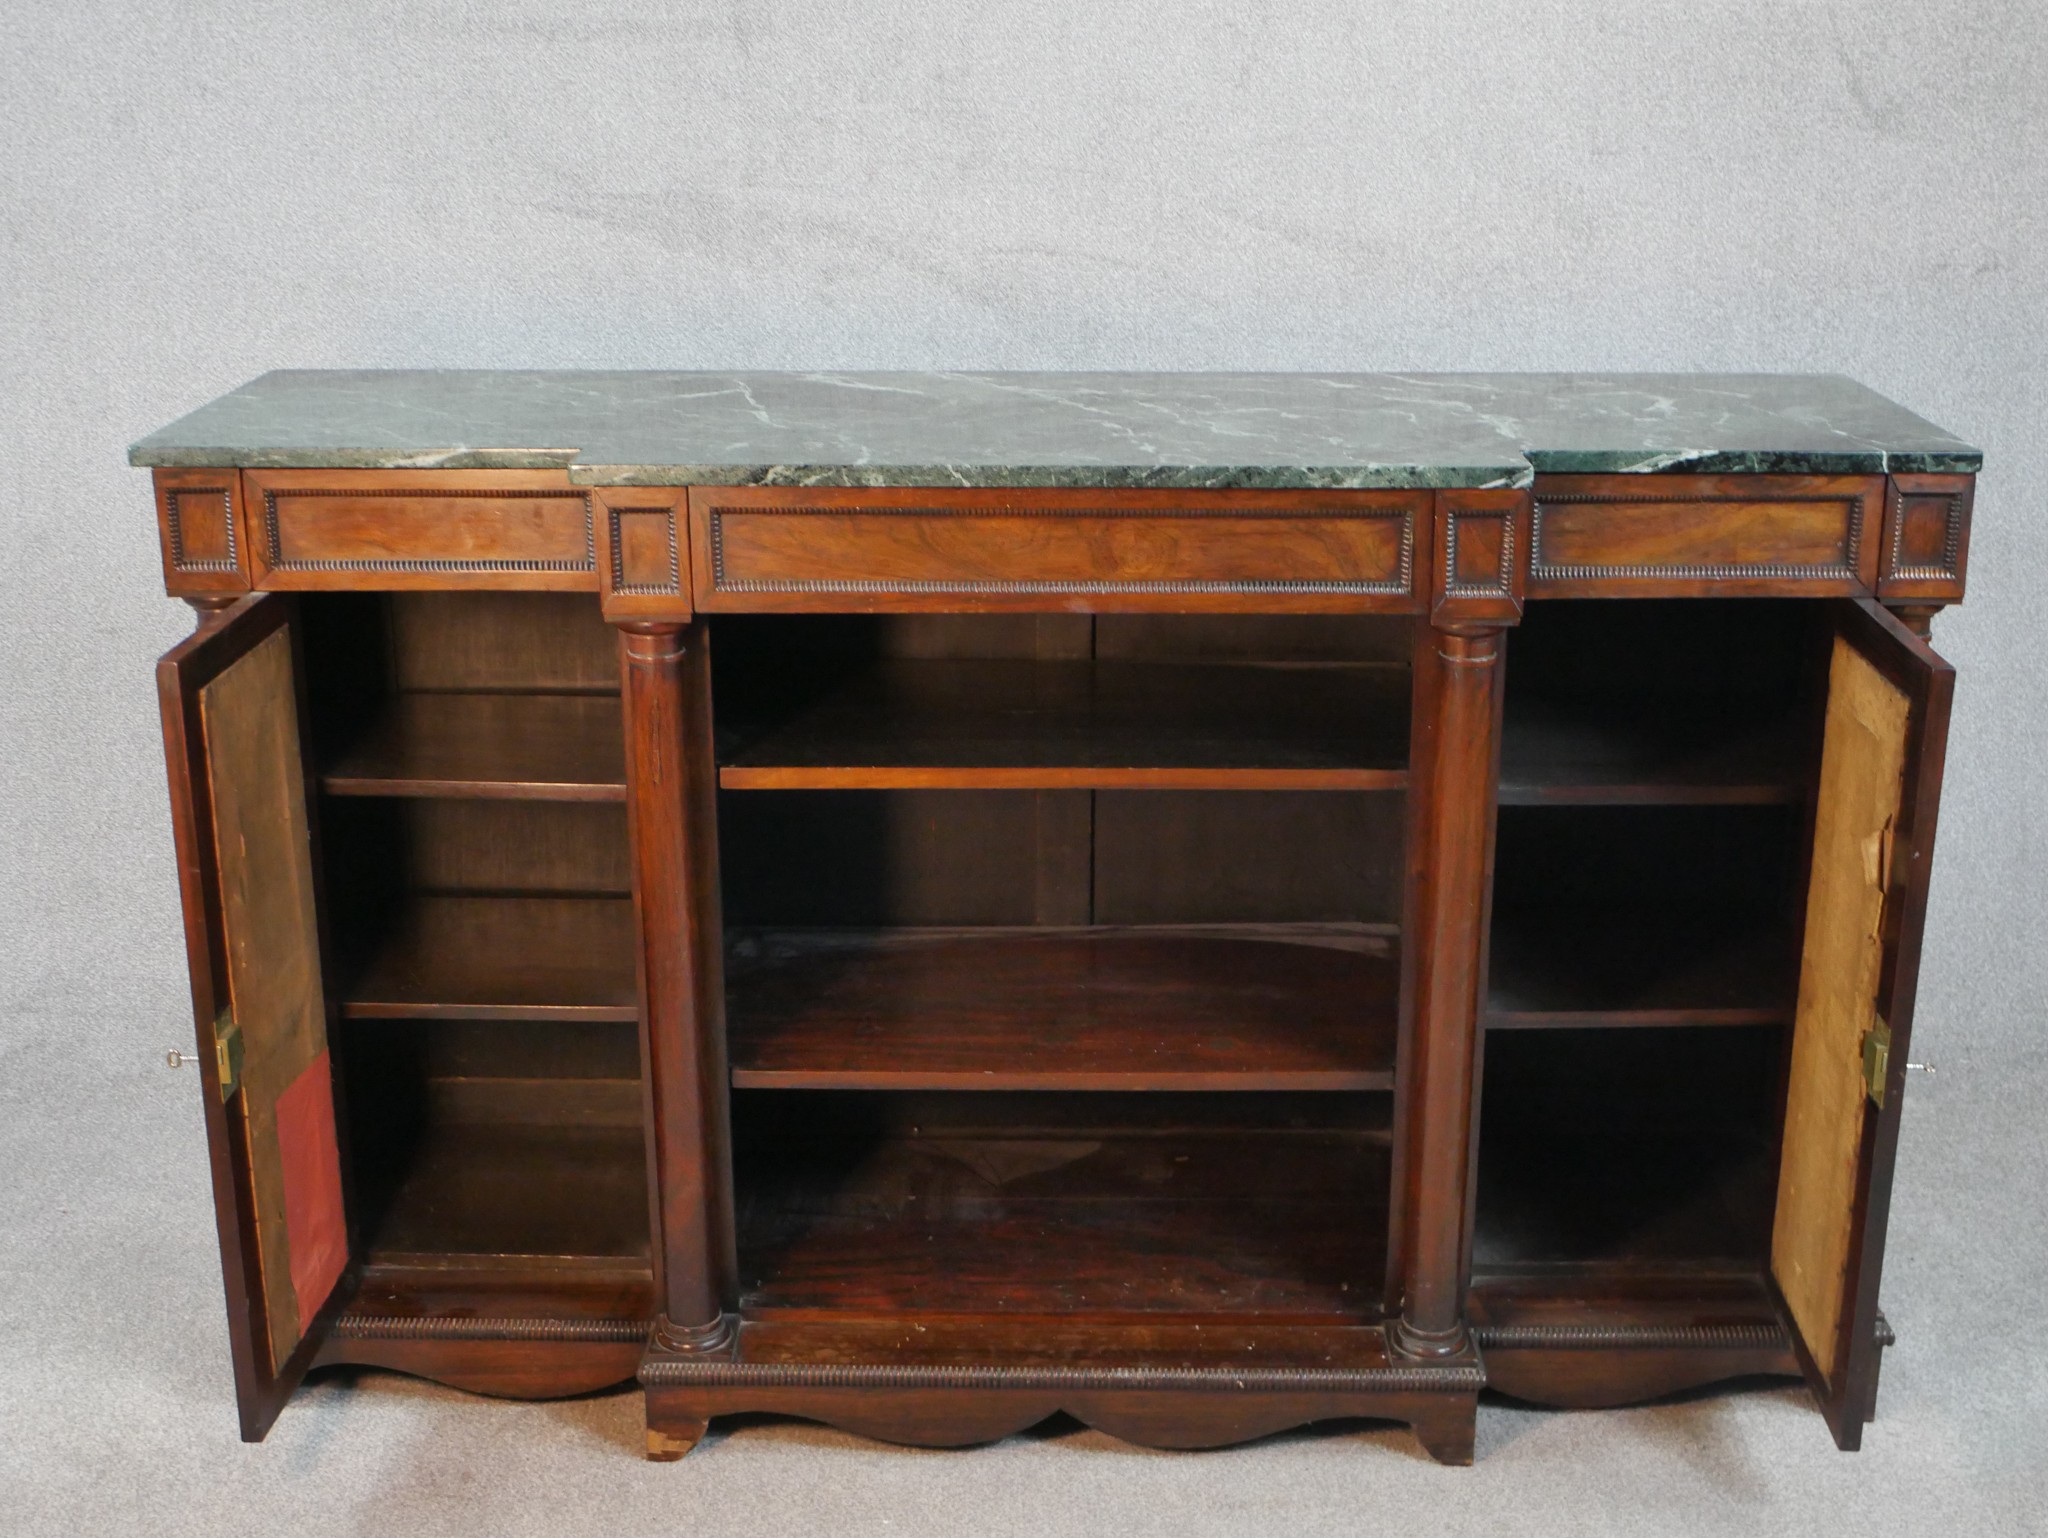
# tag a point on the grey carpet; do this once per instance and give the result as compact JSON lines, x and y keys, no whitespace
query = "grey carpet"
{"x":116,"y":1412}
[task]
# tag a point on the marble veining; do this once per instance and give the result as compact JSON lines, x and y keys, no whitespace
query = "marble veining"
{"x":1080,"y":430}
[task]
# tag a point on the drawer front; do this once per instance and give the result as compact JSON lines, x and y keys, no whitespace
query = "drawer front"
{"x":434,"y":529}
{"x":793,"y":549}
{"x":1665,"y":536}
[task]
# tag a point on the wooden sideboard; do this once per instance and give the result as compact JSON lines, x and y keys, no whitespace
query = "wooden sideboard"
{"x":1200,"y":957}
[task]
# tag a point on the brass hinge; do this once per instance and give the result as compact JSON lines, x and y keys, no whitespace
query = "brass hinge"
{"x":1877,"y":1060}
{"x":227,"y":1053}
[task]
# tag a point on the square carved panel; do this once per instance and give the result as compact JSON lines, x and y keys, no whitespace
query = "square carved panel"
{"x":1926,"y":537}
{"x":197,"y":524}
{"x":643,"y":551}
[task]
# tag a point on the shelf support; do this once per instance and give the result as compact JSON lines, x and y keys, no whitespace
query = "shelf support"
{"x":672,"y":812}
{"x":1479,"y":565}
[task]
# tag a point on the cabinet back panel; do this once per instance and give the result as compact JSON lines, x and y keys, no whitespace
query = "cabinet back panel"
{"x":1268,"y":857}
{"x":879,"y":857}
{"x":493,"y":1140}
{"x":376,"y":643}
{"x":1693,"y":858}
{"x":779,"y":1116}
{"x":500,"y":1049}
{"x":556,"y":641}
{"x":1628,"y":1149}
{"x":1757,"y":649}
{"x":389,"y":846}
{"x":1253,"y":638}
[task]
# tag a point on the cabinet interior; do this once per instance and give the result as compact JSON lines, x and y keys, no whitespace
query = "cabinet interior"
{"x":1658,"y":765}
{"x":1063,"y":964}
{"x":965,"y":862}
{"x":468,"y":753}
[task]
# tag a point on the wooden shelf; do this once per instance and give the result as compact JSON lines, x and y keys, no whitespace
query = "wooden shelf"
{"x":469,"y":1197}
{"x":549,"y":747}
{"x":1220,"y":1007}
{"x":1644,"y":915}
{"x":501,"y":958}
{"x":1637,"y":967}
{"x":1282,"y":1224}
{"x":1024,"y":725}
{"x":1699,"y":751}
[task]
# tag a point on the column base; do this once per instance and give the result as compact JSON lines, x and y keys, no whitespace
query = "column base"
{"x":1404,"y":1339}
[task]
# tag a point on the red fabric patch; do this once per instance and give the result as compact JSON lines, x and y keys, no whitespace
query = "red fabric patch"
{"x":313,"y":1220}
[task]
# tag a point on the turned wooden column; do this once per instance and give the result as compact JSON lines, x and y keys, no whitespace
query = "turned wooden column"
{"x":1454,"y":770}
{"x":1918,"y":617}
{"x":672,"y":813}
{"x":1456,"y":760}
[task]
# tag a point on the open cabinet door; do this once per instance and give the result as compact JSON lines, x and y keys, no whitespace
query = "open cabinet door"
{"x":1873,"y":840}
{"x":236,"y":754}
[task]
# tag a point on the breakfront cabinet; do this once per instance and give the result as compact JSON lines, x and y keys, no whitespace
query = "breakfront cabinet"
{"x":1204,"y":903}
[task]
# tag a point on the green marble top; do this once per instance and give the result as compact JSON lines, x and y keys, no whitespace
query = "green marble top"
{"x":945,"y":429}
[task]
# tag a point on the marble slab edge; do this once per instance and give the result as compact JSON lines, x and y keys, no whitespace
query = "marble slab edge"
{"x":1959,"y":461}
{"x":1956,"y":461}
{"x":144,"y":455}
{"x":1387,"y":477}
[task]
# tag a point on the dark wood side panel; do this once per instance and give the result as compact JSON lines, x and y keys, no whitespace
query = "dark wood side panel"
{"x":353,"y":529}
{"x":1694,"y":536}
{"x":795,"y":549}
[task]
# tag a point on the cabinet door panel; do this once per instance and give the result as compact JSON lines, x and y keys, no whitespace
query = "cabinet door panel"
{"x":234,"y":748}
{"x":1873,"y":839}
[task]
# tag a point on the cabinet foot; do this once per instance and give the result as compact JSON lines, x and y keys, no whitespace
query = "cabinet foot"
{"x":1447,"y":1434}
{"x":671,"y":1440}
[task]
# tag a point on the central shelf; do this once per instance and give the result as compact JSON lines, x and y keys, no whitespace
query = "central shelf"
{"x":470,"y":744}
{"x":1012,"y":724}
{"x":464,"y":956}
{"x":1205,"y":1007}
{"x":1670,"y":752}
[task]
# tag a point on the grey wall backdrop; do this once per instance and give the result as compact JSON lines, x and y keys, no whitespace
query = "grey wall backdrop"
{"x":191,"y":194}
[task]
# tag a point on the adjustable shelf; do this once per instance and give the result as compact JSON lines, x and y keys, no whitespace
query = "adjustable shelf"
{"x":513,"y":746}
{"x":1701,"y":751}
{"x":1011,"y":724}
{"x":471,"y":957}
{"x":1627,"y":966}
{"x":1216,"y":1007}
{"x":1644,"y":916}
